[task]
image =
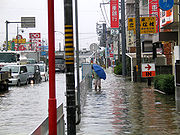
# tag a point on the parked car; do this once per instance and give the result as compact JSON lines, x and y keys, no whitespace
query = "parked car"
{"x":19,"y":74}
{"x":43,"y":71}
{"x":34,"y":73}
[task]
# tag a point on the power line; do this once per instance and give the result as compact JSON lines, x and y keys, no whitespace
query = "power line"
{"x":105,"y":12}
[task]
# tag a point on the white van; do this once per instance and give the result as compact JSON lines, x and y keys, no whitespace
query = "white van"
{"x":19,"y":74}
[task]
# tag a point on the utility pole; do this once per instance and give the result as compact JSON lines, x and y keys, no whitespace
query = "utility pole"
{"x":77,"y":62}
{"x":123,"y":38}
{"x":179,"y":30}
{"x":138,"y":42}
{"x":105,"y":44}
{"x":69,"y":57}
{"x":17,"y":38}
{"x":6,"y":35}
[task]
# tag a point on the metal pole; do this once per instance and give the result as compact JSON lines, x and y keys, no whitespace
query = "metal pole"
{"x":77,"y":61}
{"x":52,"y":94}
{"x":17,"y":38}
{"x":138,"y":42}
{"x":118,"y":50}
{"x":123,"y":38}
{"x":6,"y":35}
{"x":179,"y":30}
{"x":69,"y":57}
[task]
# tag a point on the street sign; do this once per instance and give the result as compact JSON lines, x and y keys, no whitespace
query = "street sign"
{"x":147,"y":25}
{"x":166,"y":4}
{"x":93,"y":47}
{"x":114,"y":31}
{"x":27,"y":22}
{"x":44,"y":53}
{"x":148,"y":70}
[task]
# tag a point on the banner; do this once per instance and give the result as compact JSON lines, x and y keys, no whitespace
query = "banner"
{"x":154,"y":10}
{"x":114,"y":13}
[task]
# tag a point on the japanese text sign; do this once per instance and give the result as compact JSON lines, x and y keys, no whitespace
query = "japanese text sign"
{"x":147,"y":25}
{"x":154,"y":10}
{"x":114,"y":13}
{"x":35,"y":39}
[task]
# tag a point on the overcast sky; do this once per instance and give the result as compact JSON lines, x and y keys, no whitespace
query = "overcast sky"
{"x":89,"y":14}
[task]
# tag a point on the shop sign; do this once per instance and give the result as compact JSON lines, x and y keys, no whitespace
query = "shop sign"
{"x":155,"y":11}
{"x":114,"y":13}
{"x":147,"y":25}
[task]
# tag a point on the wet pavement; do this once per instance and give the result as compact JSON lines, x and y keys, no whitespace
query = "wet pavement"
{"x":126,"y":108}
{"x":22,"y":109}
{"x":122,"y":108}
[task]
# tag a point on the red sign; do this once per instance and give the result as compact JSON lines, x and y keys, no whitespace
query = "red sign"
{"x":35,"y":39}
{"x":114,"y":13}
{"x":154,"y":9}
{"x":34,"y":35}
{"x":148,"y":70}
{"x":166,"y":17}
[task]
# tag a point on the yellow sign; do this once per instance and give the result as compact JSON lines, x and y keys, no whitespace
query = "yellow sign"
{"x":21,"y":41}
{"x":147,"y":25}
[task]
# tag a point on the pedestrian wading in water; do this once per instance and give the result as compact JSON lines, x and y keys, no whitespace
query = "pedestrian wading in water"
{"x":97,"y":80}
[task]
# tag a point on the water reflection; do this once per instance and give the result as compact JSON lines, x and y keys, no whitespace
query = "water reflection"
{"x":127,"y":108}
{"x":23,"y":108}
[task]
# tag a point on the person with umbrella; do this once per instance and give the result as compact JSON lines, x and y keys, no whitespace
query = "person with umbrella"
{"x":98,"y":74}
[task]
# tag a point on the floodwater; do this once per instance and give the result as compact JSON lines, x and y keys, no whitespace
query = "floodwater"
{"x":122,"y":108}
{"x":23,"y":109}
{"x":125,"y":108}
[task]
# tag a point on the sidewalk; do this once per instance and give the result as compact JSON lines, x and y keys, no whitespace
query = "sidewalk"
{"x":124,"y":108}
{"x":105,"y":111}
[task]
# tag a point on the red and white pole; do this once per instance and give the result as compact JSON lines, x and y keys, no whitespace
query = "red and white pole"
{"x":52,"y":95}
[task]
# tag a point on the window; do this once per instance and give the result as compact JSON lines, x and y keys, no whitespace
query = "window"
{"x":23,"y":69}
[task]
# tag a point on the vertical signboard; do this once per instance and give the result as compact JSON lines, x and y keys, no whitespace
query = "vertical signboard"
{"x":130,"y":41}
{"x":166,"y":17}
{"x":154,"y":9}
{"x":35,"y":39}
{"x":114,"y":13}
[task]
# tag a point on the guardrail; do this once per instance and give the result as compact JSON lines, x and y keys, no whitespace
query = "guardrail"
{"x":85,"y":85}
{"x":43,"y":129}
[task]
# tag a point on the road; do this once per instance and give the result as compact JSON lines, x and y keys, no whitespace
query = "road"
{"x":23,"y":108}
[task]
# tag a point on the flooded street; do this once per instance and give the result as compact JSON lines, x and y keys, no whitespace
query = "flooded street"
{"x":121,"y":108}
{"x":23,"y":108}
{"x":127,"y":108}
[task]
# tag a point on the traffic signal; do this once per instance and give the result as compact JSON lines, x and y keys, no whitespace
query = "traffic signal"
{"x":154,"y":51}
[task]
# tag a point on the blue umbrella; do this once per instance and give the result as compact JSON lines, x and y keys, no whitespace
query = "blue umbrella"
{"x":99,"y":71}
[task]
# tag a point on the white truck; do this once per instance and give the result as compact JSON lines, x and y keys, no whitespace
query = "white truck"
{"x":31,"y":57}
{"x":19,"y":57}
{"x":9,"y":58}
{"x":60,"y":62}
